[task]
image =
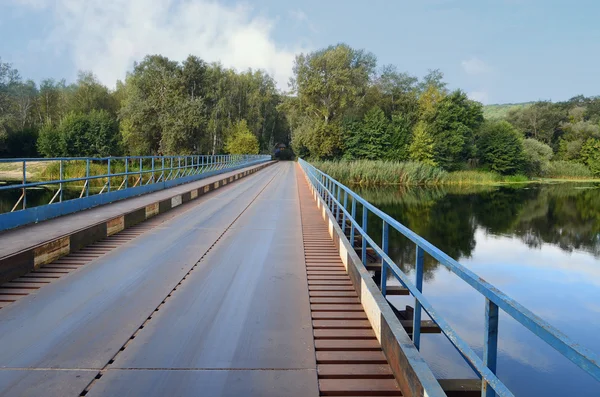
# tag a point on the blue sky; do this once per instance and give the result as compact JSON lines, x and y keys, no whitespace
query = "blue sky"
{"x":498,"y":51}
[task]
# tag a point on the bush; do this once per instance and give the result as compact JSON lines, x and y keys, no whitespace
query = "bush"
{"x":49,"y":142}
{"x":95,"y":134}
{"x":241,"y":140}
{"x":500,"y":147}
{"x":537,"y":155}
{"x":567,"y":169}
{"x":22,"y":143}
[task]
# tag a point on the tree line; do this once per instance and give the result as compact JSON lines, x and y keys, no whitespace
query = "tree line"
{"x":163,"y":107}
{"x":345,"y":107}
{"x":341,"y":105}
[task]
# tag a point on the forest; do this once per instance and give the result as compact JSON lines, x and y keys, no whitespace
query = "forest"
{"x":341,"y":106}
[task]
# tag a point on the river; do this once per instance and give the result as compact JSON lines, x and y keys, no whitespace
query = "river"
{"x":540,"y":244}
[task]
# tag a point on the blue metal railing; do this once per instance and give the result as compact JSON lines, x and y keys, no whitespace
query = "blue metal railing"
{"x":176,"y":166}
{"x":115,"y":178}
{"x":332,"y":191}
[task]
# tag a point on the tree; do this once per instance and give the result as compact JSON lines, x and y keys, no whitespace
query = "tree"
{"x":590,"y":155}
{"x":241,"y":140}
{"x":500,"y":147}
{"x":94,"y":134}
{"x":371,"y":139}
{"x":400,"y":137}
{"x":49,"y":142}
{"x":540,"y":121}
{"x":537,"y":155}
{"x":88,"y":94}
{"x":422,"y":146}
{"x":452,"y":124}
{"x":328,"y":83}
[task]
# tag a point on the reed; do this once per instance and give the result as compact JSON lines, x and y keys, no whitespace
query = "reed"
{"x":409,"y":173}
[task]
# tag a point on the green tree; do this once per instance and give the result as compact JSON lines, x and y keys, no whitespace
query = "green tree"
{"x":400,"y":137}
{"x":537,"y":155}
{"x":500,"y":147}
{"x":89,"y":94}
{"x":328,"y":83}
{"x":371,"y":139}
{"x":422,"y":146}
{"x":590,"y":155}
{"x":241,"y":140}
{"x":95,"y":134}
{"x":540,"y":121}
{"x":452,"y":124}
{"x":49,"y":142}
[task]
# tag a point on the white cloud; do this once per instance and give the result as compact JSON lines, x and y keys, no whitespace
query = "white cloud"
{"x":107,"y":36}
{"x":480,"y":96}
{"x":475,"y":66}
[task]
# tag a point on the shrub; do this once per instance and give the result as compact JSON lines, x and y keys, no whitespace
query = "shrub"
{"x":590,"y":154}
{"x":500,"y":147}
{"x":241,"y":140}
{"x":537,"y":155}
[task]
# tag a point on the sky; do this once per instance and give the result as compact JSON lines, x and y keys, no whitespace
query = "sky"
{"x":498,"y":51}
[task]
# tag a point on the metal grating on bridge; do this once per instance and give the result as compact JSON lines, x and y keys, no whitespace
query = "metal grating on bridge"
{"x":350,"y":361}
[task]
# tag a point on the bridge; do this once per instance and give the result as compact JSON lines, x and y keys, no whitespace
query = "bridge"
{"x":224,"y":276}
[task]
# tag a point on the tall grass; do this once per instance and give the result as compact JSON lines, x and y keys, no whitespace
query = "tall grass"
{"x":410,"y":173}
{"x":77,"y":169}
{"x":379,"y":172}
{"x":567,"y":169}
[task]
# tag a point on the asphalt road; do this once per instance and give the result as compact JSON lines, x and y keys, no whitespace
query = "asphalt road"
{"x":238,"y":322}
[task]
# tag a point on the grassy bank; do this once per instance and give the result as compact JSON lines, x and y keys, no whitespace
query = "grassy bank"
{"x":380,"y":173}
{"x":41,"y":171}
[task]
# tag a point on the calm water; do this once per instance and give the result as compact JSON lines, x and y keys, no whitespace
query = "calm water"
{"x":538,"y":244}
{"x":35,"y":196}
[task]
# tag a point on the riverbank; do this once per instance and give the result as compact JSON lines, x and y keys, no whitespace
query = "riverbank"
{"x":389,"y":173}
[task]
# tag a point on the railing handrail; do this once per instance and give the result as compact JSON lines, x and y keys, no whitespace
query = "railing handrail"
{"x":581,"y":356}
{"x":184,"y":165}
{"x":31,"y":159}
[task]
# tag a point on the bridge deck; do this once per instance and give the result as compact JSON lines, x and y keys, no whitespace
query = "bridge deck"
{"x":213,"y":300}
{"x":17,"y":240}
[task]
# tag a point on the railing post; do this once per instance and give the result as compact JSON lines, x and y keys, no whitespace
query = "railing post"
{"x":344,"y":212}
{"x":337,"y":206}
{"x":126,"y":172}
{"x":353,"y":215}
{"x":384,"y":246}
{"x":162,"y":168}
{"x":108,"y":168}
{"x":141,"y":175}
{"x":152,"y":170}
{"x":60,"y":197}
{"x":365,"y":215}
{"x":87,"y":177}
{"x":490,"y":344}
{"x":24,"y":182}
{"x":419,"y":262}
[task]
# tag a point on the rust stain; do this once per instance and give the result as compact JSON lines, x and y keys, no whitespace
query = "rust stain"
{"x":51,"y":251}
{"x":151,"y":210}
{"x":115,"y":225}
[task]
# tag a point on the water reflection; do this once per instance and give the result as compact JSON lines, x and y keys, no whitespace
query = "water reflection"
{"x":540,"y":244}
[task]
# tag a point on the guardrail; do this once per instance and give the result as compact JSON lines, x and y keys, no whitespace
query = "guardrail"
{"x":127,"y":175}
{"x":343,"y":203}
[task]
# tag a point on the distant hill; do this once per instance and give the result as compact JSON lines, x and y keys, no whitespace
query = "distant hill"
{"x":495,"y":112}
